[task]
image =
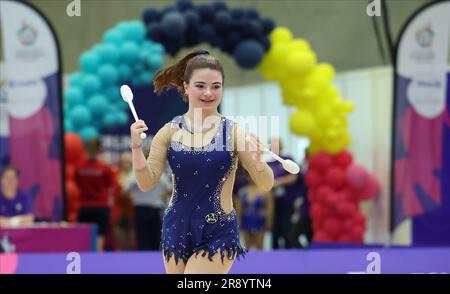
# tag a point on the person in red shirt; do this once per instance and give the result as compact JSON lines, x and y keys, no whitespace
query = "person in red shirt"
{"x":95,"y":180}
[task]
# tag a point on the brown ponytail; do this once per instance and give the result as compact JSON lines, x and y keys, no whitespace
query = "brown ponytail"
{"x":175,"y":75}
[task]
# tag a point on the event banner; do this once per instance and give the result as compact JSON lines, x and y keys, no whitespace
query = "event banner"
{"x":421,"y":134}
{"x":30,"y":132}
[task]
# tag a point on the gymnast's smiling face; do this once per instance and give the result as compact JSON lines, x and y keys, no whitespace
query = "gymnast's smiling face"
{"x":205,"y":89}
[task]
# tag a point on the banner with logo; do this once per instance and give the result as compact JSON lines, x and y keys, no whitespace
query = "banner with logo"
{"x":30,"y":132}
{"x":421,"y":136}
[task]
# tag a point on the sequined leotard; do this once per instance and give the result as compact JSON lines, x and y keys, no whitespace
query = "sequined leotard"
{"x":196,"y":220}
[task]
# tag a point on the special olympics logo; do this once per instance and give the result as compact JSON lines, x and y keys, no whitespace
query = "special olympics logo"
{"x":211,"y":218}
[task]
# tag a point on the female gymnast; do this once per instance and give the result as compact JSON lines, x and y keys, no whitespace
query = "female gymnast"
{"x":200,"y":233}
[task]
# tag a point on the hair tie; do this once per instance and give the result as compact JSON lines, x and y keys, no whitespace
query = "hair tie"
{"x":203,"y":52}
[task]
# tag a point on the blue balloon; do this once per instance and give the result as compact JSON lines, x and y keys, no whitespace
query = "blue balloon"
{"x":88,"y":132}
{"x":113,"y":37}
{"x":251,"y":13}
{"x":237,"y":14}
{"x":154,"y":31}
{"x":253,"y":29}
{"x":248,"y":54}
{"x":184,"y":5}
{"x":89,"y":62}
{"x":75,"y":79}
{"x":151,"y":15}
{"x":265,"y":43}
{"x":155,"y":61}
{"x":74,"y":96}
{"x":223,"y":21}
{"x":80,"y":116}
{"x":219,"y":6}
{"x":206,"y":12}
{"x":90,"y":84}
{"x":206,"y":32}
{"x":108,"y":74}
{"x":173,"y":24}
{"x":192,"y":18}
{"x":125,"y":72}
{"x":267,"y":25}
{"x":129,"y":51}
{"x":98,"y":105}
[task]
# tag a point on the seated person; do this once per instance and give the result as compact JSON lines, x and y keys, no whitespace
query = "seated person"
{"x":16,"y":207}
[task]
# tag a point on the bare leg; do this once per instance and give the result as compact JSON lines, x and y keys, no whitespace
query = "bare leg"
{"x":172,"y":267}
{"x":100,"y":243}
{"x":202,"y":265}
{"x":259,"y":239}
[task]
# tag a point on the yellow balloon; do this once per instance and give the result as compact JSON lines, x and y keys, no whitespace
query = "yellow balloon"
{"x":326,"y":70}
{"x":280,"y":34}
{"x":299,"y":62}
{"x":302,"y":123}
{"x":299,"y":45}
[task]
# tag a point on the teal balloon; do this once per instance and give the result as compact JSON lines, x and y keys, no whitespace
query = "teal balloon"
{"x":89,"y":62}
{"x":90,"y":84}
{"x":121,"y":118}
{"x":108,"y":53}
{"x":113,"y":94}
{"x":144,"y":54}
{"x":75,"y":79}
{"x":108,"y":74}
{"x":158,"y":49}
{"x":129,"y":51}
{"x":155,"y":61}
{"x":68,"y":125}
{"x":98,"y":105}
{"x":113,"y":37}
{"x":135,"y":31}
{"x":123,"y":106}
{"x":80,"y":116}
{"x":109,"y":121}
{"x":88,"y":133}
{"x":146,"y":77}
{"x":125,"y":72}
{"x":73,"y":96}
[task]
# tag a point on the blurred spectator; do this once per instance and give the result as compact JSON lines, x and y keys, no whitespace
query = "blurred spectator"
{"x":16,"y":206}
{"x":148,"y":209}
{"x":302,"y":231}
{"x":255,"y":211}
{"x":284,"y":192}
{"x":96,"y":182}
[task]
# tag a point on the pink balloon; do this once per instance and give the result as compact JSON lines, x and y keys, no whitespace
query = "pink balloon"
{"x":356,"y":176}
{"x":372,"y":189}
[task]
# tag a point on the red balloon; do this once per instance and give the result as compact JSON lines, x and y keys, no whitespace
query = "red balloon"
{"x":343,"y":159}
{"x":345,"y":238}
{"x":356,"y":176}
{"x":312,"y":179}
{"x":346,"y":209}
{"x":311,"y":194}
{"x":321,"y":236}
{"x":317,"y":212}
{"x":335,"y":177}
{"x":322,"y":193}
{"x":332,"y":226}
{"x":321,"y":161}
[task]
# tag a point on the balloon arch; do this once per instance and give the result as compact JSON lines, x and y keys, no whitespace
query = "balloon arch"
{"x":132,"y":51}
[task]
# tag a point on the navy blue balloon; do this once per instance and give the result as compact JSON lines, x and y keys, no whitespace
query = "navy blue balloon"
{"x":267,"y":25}
{"x":151,"y":15}
{"x":173,"y":24}
{"x":237,"y":14}
{"x":184,"y":5}
{"x":265,"y":43}
{"x":206,"y":32}
{"x":206,"y":12}
{"x":168,"y":10}
{"x":253,"y":29}
{"x":251,"y":13}
{"x":219,"y":6}
{"x":248,"y":54}
{"x":222,"y":21}
{"x":192,"y":18}
{"x":154,"y":32}
{"x":233,"y":38}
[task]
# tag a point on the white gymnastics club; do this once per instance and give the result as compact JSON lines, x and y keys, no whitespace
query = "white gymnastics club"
{"x":287,"y":164}
{"x":127,"y":96}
